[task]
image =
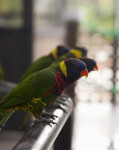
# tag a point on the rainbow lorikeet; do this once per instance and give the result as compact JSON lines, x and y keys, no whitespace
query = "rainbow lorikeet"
{"x":73,"y":53}
{"x":45,"y":61}
{"x":78,"y":52}
{"x":91,"y":66}
{"x":90,"y":63}
{"x":42,"y":88}
{"x":58,"y":54}
{"x":1,"y":72}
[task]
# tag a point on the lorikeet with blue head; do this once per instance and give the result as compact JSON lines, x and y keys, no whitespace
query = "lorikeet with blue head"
{"x":45,"y":61}
{"x":42,"y":88}
{"x":91,"y":66}
{"x":73,"y":53}
{"x":78,"y":52}
{"x":58,"y":54}
{"x":90,"y":63}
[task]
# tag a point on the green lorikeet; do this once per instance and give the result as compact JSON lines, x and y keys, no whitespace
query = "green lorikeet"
{"x":90,"y":63}
{"x":91,"y":66}
{"x":45,"y":61}
{"x":43,"y":87}
{"x":73,"y":53}
{"x":78,"y":52}
{"x":54,"y":57}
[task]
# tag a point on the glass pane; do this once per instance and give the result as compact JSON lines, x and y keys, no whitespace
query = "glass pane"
{"x":11,"y":13}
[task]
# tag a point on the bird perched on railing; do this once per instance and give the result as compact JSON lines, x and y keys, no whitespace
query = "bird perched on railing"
{"x":45,"y":61}
{"x":1,"y":72}
{"x":78,"y":52}
{"x":90,"y":63}
{"x":91,"y":66}
{"x":42,"y":88}
{"x":57,"y":55}
{"x":73,"y":53}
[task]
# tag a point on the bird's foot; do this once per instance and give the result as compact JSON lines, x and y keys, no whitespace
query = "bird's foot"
{"x":60,"y":101}
{"x":64,"y":98}
{"x":42,"y":119}
{"x":57,"y":105}
{"x":44,"y":114}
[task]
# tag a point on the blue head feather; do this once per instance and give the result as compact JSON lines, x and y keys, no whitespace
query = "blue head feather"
{"x":74,"y":68}
{"x":90,"y":63}
{"x":61,"y":50}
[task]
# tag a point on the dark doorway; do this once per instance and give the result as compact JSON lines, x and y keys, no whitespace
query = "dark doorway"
{"x":15,"y":37}
{"x":15,"y":43}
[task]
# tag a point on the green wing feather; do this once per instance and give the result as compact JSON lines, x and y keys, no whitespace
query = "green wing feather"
{"x":42,"y":80}
{"x":45,"y":62}
{"x":62,"y":58}
{"x":35,"y":86}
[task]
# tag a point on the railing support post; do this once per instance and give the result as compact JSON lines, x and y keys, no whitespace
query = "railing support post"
{"x":63,"y":141}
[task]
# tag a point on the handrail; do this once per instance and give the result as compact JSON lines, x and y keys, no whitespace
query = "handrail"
{"x":41,"y":136}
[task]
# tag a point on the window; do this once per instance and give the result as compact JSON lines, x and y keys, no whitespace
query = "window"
{"x":11,"y":13}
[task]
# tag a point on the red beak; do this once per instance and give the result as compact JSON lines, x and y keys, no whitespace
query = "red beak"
{"x":84,"y":73}
{"x":95,"y":68}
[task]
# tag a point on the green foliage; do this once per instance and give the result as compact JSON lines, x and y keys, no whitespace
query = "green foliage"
{"x":96,"y":16}
{"x":7,"y":6}
{"x":96,"y":19}
{"x":11,"y":12}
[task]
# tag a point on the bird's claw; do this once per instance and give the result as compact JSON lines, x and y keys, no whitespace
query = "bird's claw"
{"x":64,"y":98}
{"x":57,"y":105}
{"x":59,"y":101}
{"x":44,"y":114}
{"x":41,"y":119}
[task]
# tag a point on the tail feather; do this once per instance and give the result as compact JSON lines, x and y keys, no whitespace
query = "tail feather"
{"x":5,"y":118}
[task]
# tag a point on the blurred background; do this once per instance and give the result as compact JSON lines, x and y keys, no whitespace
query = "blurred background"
{"x":30,"y":29}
